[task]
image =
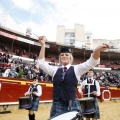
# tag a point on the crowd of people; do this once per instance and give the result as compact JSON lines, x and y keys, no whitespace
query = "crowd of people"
{"x":109,"y":78}
{"x":64,"y":88}
{"x":17,"y":68}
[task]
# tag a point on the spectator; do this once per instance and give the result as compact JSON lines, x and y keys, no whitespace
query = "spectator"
{"x":18,"y":52}
{"x":24,"y":51}
{"x":13,"y":72}
{"x":20,"y":72}
{"x":6,"y":73}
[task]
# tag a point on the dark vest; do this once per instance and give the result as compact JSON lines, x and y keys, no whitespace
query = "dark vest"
{"x":70,"y":84}
{"x":34,"y":89}
{"x":92,"y":88}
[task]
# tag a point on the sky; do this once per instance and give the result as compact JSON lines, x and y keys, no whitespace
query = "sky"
{"x":101,"y":17}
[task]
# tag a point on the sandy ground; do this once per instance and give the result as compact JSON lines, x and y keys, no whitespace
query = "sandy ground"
{"x":109,"y":110}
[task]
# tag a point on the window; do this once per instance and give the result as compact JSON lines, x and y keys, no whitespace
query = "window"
{"x":87,"y":37}
{"x":72,"y":41}
{"x":68,"y":34}
{"x":72,"y":34}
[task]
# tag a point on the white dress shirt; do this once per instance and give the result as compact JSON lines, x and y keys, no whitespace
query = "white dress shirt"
{"x":39,"y":92}
{"x":89,"y":85}
{"x":79,"y":69}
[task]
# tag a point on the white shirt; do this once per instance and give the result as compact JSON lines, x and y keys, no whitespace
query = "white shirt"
{"x":79,"y":69}
{"x":39,"y":92}
{"x":89,"y":84}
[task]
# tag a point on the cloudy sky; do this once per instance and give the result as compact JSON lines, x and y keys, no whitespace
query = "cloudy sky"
{"x":101,"y":17}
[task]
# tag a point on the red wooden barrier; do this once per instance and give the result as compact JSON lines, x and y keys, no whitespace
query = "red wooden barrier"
{"x":12,"y":89}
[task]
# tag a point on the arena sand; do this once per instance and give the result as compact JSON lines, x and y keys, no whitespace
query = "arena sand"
{"x":109,"y":110}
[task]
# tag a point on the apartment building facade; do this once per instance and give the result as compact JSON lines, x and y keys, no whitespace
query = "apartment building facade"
{"x":80,"y":38}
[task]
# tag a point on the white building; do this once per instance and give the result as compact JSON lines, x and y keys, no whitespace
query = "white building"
{"x":80,"y":38}
{"x":76,"y":36}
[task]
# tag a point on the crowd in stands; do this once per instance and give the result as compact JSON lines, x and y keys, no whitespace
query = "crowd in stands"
{"x":105,"y":78}
{"x":17,"y":68}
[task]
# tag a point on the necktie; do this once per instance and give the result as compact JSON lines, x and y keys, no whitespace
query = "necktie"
{"x":90,"y":80}
{"x":63,"y":74}
{"x":65,"y":69}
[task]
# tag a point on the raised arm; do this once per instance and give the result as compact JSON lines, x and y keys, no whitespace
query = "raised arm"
{"x":42,"y":51}
{"x":100,"y":48}
{"x":41,"y":63}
